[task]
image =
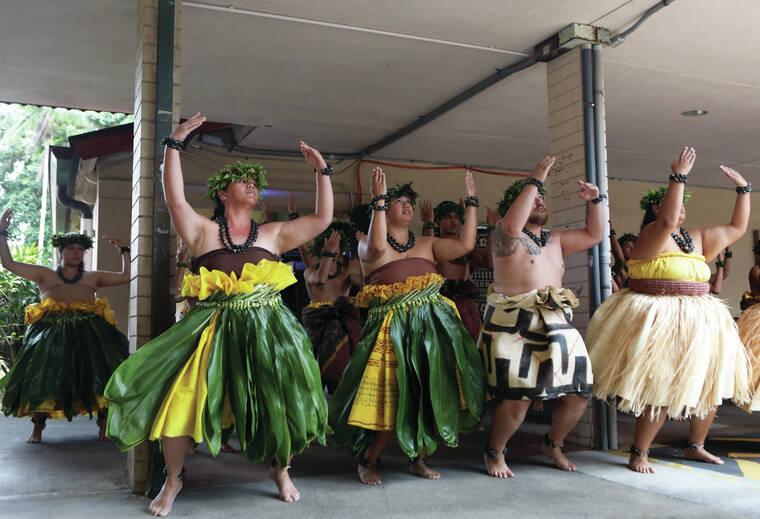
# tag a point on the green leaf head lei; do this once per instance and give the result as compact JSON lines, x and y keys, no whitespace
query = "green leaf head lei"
{"x":235,"y":172}
{"x":61,"y":240}
{"x":511,"y":194}
{"x":656,"y":196}
{"x":403,"y":190}
{"x":446,"y":207}
{"x":348,"y":243}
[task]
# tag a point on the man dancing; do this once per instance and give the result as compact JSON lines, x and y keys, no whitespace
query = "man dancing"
{"x":448,"y":216}
{"x":72,"y":345}
{"x":531,"y":350}
{"x":331,"y":318}
{"x":416,"y":370}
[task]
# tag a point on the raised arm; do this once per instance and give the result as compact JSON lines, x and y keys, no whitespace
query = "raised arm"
{"x":483,"y":257}
{"x":330,"y":256}
{"x":716,"y":280}
{"x":376,"y":243}
{"x":445,"y":249}
{"x":656,"y":234}
{"x":110,"y":279}
{"x":577,"y":240}
{"x":518,"y":213}
{"x":428,"y":218}
{"x":301,"y":230}
{"x":25,"y":270}
{"x":188,"y":223}
{"x":718,"y":237}
{"x":617,"y":250}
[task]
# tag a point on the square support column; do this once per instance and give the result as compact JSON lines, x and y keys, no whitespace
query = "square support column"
{"x":151,"y":235}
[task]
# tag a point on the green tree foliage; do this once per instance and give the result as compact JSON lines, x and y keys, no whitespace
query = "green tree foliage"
{"x":25,"y":133}
{"x":15,"y":294}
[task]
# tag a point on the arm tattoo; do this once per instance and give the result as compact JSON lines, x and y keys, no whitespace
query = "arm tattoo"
{"x":503,"y":245}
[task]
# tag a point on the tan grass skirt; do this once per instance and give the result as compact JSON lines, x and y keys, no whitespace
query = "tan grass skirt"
{"x":676,"y":351}
{"x":749,"y":331}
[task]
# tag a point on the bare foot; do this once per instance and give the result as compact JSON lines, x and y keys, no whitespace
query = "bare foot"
{"x":559,"y":459}
{"x":162,"y":505}
{"x":101,"y":429}
{"x":226,"y":447}
{"x":497,"y":466}
{"x":368,"y":474}
{"x":701,"y":454}
{"x":422,"y":470}
{"x":288,"y":492}
{"x":640,"y":463}
{"x":36,"y":436}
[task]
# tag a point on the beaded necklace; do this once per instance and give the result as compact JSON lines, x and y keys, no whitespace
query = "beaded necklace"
{"x":685,"y":243}
{"x":224,"y":235}
{"x":73,"y":280}
{"x":402,"y":248}
{"x":541,"y":242}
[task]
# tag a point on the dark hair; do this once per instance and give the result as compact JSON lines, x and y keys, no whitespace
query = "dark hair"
{"x":649,"y":217}
{"x":359,"y":216}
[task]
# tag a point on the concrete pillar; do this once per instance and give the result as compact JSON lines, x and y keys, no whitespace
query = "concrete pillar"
{"x":112,"y":198}
{"x":568,"y":211}
{"x":144,"y":169}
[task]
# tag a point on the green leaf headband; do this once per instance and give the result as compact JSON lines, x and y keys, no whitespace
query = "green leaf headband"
{"x":61,"y":240}
{"x":348,"y":243}
{"x":446,"y":207}
{"x":235,"y":172}
{"x":403,"y":190}
{"x":656,"y":196}
{"x":511,"y":194}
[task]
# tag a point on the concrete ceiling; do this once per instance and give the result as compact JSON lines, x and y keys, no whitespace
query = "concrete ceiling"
{"x":345,"y":73}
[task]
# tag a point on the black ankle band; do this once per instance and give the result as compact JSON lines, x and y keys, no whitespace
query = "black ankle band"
{"x":416,"y":461}
{"x":549,"y":443}
{"x":39,"y":421}
{"x":637,"y":452}
{"x":696,"y":446}
{"x":492,"y":453}
{"x":181,"y":476}
{"x":364,"y":462}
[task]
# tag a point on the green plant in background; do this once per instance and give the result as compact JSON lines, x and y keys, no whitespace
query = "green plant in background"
{"x":16,"y":293}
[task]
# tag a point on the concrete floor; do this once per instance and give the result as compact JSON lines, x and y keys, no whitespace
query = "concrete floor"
{"x":71,"y":474}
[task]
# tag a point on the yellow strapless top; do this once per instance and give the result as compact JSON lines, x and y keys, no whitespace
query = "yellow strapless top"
{"x":674,"y":266}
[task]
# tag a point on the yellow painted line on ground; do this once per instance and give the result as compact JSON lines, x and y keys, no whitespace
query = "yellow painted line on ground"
{"x":750,"y":469}
{"x":744,"y":454}
{"x":733,"y":439}
{"x":749,"y":481}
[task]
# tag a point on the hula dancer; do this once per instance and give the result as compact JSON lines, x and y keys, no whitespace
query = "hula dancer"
{"x":749,"y":328}
{"x":532,"y":351}
{"x":331,"y":318}
{"x":665,"y":347}
{"x":239,"y":356}
{"x":71,"y":345}
{"x":416,"y":370}
{"x":448,"y":217}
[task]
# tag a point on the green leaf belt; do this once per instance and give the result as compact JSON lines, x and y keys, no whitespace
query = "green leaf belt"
{"x":66,"y":317}
{"x":429,"y":294}
{"x":262,"y":295}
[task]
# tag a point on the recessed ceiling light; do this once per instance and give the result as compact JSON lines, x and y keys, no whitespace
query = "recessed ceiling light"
{"x":694,"y":113}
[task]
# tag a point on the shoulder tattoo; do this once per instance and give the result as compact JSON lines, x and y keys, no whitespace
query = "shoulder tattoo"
{"x":503,"y":245}
{"x":530,"y":246}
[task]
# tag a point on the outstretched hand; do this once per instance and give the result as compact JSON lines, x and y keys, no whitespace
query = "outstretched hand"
{"x":313,"y":157}
{"x":378,"y":186}
{"x":186,"y":128}
{"x":426,"y":211}
{"x":5,"y":221}
{"x":735,"y":176}
{"x":683,"y":164}
{"x":588,"y":191}
{"x":469,"y":184}
{"x":113,"y":240}
{"x":541,"y":171}
{"x":292,"y":204}
{"x":332,"y":244}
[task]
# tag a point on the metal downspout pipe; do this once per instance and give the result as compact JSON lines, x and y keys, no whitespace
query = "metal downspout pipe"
{"x":605,"y":259}
{"x":590,"y":152}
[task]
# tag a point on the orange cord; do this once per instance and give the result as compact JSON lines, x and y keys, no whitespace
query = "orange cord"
{"x":404,"y":166}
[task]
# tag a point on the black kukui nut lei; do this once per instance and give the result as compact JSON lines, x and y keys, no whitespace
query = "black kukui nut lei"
{"x":677,"y":177}
{"x":73,"y":280}
{"x":471,"y":201}
{"x":173,"y":143}
{"x":541,"y":242}
{"x":402,"y":248}
{"x":686,"y":244}
{"x":224,"y":235}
